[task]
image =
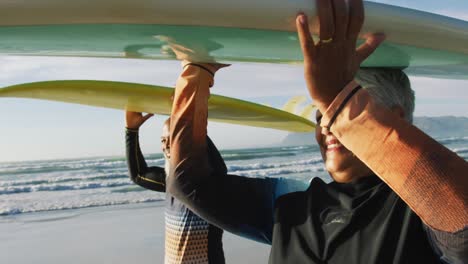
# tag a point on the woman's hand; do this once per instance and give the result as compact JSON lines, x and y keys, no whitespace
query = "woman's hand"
{"x":133,"y":120}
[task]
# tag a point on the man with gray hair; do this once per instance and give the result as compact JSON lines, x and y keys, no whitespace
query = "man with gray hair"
{"x":357,"y":218}
{"x":397,"y":195}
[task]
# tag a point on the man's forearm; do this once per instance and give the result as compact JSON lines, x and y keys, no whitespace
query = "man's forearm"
{"x":431,"y":179}
{"x":152,"y":178}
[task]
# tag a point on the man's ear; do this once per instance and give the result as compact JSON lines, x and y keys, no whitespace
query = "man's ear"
{"x":399,"y":111}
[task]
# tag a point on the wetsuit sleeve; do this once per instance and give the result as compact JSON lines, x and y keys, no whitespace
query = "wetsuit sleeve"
{"x":153,"y":178}
{"x":450,"y":247}
{"x":287,"y":185}
{"x":430,"y":178}
{"x":240,"y":205}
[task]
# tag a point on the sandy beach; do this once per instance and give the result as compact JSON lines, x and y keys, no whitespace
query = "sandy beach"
{"x":111,"y":234}
{"x":87,"y":210}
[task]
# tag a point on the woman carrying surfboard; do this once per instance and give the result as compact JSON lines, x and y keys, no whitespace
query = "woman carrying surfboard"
{"x":398,"y":196}
{"x":188,"y":238}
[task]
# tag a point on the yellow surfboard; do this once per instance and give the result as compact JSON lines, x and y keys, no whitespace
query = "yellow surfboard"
{"x":156,"y":99}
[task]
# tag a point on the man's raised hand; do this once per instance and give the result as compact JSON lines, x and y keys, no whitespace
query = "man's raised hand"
{"x":133,"y":120}
{"x":333,"y":62}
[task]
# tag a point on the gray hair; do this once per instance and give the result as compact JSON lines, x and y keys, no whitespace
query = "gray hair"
{"x":389,"y":87}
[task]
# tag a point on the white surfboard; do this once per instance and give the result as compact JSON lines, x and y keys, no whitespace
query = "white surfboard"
{"x":254,"y":31}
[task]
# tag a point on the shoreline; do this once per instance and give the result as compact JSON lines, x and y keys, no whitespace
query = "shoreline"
{"x":131,"y":233}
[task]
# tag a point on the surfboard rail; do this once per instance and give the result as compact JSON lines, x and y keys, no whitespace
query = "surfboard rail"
{"x":156,"y":99}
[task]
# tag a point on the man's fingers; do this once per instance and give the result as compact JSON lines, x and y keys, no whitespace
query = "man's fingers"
{"x":341,"y":19}
{"x":368,"y":47}
{"x":146,"y":117}
{"x":325,"y":14}
{"x":214,"y":67}
{"x":356,"y":18}
{"x":305,"y":39}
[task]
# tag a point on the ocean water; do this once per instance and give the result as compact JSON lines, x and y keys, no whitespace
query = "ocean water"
{"x":37,"y":186}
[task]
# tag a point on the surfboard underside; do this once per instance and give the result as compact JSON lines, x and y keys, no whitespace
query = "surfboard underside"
{"x":209,"y":43}
{"x":156,"y":99}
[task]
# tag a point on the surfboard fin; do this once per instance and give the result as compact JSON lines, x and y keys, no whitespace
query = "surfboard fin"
{"x":308,"y":110}
{"x":293,"y":103}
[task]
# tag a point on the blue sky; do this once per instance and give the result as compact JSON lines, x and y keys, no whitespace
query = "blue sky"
{"x":453,"y":8}
{"x":48,"y":130}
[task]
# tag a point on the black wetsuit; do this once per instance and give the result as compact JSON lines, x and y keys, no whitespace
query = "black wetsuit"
{"x":189,"y":238}
{"x":361,"y":222}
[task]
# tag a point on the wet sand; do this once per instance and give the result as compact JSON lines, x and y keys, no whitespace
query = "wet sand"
{"x":113,"y":234}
